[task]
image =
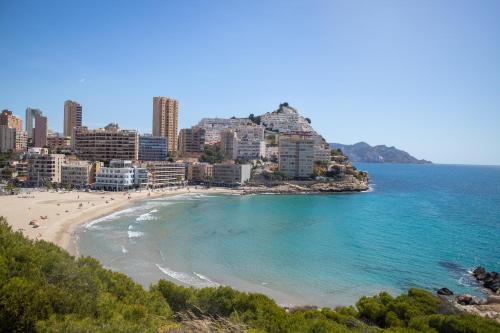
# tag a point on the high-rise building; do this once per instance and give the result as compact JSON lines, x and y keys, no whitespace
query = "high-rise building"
{"x":152,"y":148}
{"x":191,"y":141}
{"x":7,"y":139}
{"x":229,"y":144}
{"x":30,"y":118}
{"x":12,"y":122}
{"x":166,"y":120}
{"x":106,"y":144}
{"x":40,"y":131}
{"x":72,"y":116}
{"x":296,"y":155}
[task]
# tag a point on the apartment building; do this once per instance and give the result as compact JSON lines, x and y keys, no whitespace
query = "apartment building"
{"x":164,"y":174}
{"x":121,"y":175}
{"x":248,"y":149}
{"x":73,"y":114}
{"x":152,"y":148}
{"x":44,"y":167}
{"x":80,"y":173}
{"x":225,"y":174}
{"x":200,"y":172}
{"x":106,"y":144}
{"x":11,"y":121}
{"x":166,"y":120}
{"x":40,"y":131}
{"x":7,"y":139}
{"x":229,"y":143}
{"x":30,"y":118}
{"x":191,"y":141}
{"x":57,"y":142}
{"x":296,"y":155}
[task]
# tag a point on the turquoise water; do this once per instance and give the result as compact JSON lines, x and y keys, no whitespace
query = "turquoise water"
{"x":421,"y":226}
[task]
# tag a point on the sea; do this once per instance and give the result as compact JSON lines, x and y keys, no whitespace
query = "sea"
{"x":422,"y":226}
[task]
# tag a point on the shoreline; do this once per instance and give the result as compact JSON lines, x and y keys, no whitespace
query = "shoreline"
{"x":59,"y":214}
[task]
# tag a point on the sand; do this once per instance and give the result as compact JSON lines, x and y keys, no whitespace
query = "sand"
{"x":58,"y":214}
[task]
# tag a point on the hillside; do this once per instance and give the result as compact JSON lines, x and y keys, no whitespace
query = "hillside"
{"x":44,"y":289}
{"x":363,"y":152}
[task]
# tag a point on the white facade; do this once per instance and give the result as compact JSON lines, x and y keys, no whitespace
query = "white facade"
{"x":286,"y":120}
{"x":296,"y":156}
{"x":120,"y":175}
{"x":251,"y":150}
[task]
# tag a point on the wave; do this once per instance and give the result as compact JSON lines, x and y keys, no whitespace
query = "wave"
{"x":124,"y":250}
{"x":203,"y":277}
{"x":110,"y":217}
{"x":147,"y":216}
{"x":135,"y":234}
{"x":186,"y":278}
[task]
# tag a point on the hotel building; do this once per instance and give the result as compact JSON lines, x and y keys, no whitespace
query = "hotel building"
{"x":121,"y":175}
{"x":106,"y":144}
{"x":166,"y":119}
{"x":7,"y":139}
{"x":229,"y":143}
{"x":152,"y":148}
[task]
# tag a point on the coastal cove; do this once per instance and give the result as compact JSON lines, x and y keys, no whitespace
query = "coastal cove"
{"x":421,"y":226}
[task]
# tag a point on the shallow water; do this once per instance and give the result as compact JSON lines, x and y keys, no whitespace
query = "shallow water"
{"x":422,"y":226}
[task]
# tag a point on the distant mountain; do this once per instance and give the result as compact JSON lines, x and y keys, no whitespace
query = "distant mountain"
{"x":363,"y":152}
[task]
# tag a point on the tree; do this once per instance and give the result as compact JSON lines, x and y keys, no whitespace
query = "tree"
{"x":308,"y":120}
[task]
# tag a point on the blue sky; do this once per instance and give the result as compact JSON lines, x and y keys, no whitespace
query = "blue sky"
{"x":421,"y":75}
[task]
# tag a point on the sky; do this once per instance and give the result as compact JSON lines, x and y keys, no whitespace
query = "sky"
{"x":421,"y":75}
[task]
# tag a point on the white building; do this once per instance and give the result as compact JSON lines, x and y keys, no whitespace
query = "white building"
{"x":286,"y":119}
{"x":121,"y":175}
{"x":251,"y":149}
{"x":226,"y":174}
{"x":296,"y":155}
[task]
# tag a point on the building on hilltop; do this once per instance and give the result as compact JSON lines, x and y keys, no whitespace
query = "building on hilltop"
{"x":166,"y":120}
{"x":106,"y":144}
{"x":296,"y":155}
{"x":152,"y":148}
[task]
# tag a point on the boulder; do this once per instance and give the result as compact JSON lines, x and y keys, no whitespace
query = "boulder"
{"x":468,"y":300}
{"x":445,"y":291}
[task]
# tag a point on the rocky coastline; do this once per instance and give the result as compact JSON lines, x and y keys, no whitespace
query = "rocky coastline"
{"x":307,"y":187}
{"x":489,"y":307}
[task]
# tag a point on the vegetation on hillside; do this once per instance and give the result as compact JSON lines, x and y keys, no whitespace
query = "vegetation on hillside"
{"x":212,"y":155}
{"x":43,"y":288}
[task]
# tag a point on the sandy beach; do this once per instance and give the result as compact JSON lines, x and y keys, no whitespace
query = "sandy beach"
{"x":58,"y":214}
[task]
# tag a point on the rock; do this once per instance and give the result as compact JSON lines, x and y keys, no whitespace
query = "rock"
{"x":445,"y":291}
{"x":493,"y":299}
{"x":468,"y":300}
{"x":479,"y":270}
